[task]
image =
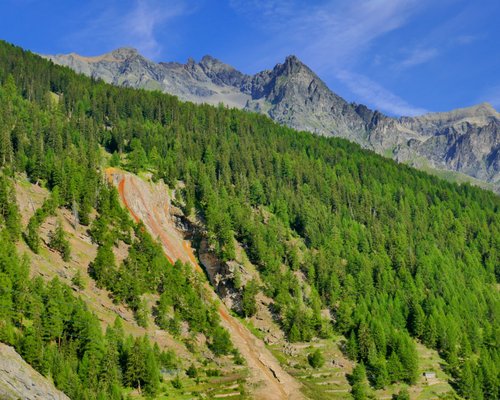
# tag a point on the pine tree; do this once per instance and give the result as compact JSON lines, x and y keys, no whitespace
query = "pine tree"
{"x":103,"y":268}
{"x":141,"y":313}
{"x":403,"y":394}
{"x":31,"y":236}
{"x":115,"y":159}
{"x":294,"y":334}
{"x":135,"y":366}
{"x":58,"y":241}
{"x":32,"y":348}
{"x":316,"y":359}
{"x":137,"y":157}
{"x":6,"y":304}
{"x":417,"y":320}
{"x":220,"y":343}
{"x":409,"y":359}
{"x":248,"y":302}
{"x":352,"y":346}
{"x":359,"y":389}
{"x":151,"y":373}
{"x":466,"y":381}
{"x":52,"y":319}
{"x":395,"y":368}
{"x":9,"y":213}
{"x":379,"y":376}
{"x":110,"y":373}
{"x":365,"y":342}
{"x":78,"y":281}
{"x":430,"y":332}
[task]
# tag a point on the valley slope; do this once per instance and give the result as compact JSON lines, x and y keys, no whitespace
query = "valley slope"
{"x":339,"y":259}
{"x":464,"y":141}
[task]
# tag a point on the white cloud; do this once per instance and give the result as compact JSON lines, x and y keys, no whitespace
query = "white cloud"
{"x":376,"y":95}
{"x":113,"y":25}
{"x":333,"y":33}
{"x":140,"y":24}
{"x":269,"y":8}
{"x":466,"y":39}
{"x":345,"y":33}
{"x":416,"y":57}
{"x":333,"y":36}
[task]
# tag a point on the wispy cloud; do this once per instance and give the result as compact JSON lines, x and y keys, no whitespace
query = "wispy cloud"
{"x":378,"y":96}
{"x":416,"y":57}
{"x":114,"y":24}
{"x":466,"y":39}
{"x":141,"y":22}
{"x":335,"y":32}
{"x":334,"y":35}
{"x":269,"y":8}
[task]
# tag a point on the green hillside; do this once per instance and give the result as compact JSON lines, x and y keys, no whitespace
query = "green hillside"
{"x":394,"y":254}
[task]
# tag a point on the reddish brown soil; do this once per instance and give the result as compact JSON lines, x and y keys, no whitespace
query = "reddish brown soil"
{"x":150,"y":204}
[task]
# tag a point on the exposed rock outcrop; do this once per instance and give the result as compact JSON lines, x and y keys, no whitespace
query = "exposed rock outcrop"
{"x":223,"y":275}
{"x":18,"y":380}
{"x":149,"y":203}
{"x":464,"y":140}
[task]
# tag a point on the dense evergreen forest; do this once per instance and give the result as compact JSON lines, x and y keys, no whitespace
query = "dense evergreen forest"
{"x":393,"y":253}
{"x":56,"y":333}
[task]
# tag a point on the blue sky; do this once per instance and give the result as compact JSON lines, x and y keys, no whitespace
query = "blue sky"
{"x":403,"y":57}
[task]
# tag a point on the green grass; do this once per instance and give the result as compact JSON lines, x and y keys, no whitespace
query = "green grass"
{"x":207,"y":387}
{"x":253,"y":330}
{"x":203,"y":388}
{"x":330,"y":381}
{"x":447,"y":175}
{"x":429,"y":361}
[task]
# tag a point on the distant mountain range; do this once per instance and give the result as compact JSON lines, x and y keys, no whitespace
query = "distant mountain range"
{"x":462,"y":144}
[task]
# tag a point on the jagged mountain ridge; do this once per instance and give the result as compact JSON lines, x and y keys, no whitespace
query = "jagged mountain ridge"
{"x":464,"y":140}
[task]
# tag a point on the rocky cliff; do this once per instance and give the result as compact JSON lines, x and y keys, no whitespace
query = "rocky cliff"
{"x":18,"y":380}
{"x":464,"y":141}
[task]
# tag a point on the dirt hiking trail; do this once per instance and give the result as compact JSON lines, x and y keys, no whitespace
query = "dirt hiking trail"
{"x":150,"y":203}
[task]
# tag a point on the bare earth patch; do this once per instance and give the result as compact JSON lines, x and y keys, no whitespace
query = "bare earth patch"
{"x":150,"y":203}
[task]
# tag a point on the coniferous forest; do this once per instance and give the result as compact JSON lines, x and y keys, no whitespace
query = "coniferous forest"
{"x":396,"y":255}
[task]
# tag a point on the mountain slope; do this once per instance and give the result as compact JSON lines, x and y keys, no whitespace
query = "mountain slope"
{"x":209,"y":81}
{"x":341,"y":240}
{"x":465,"y":140}
{"x":18,"y":380}
{"x":149,"y":204}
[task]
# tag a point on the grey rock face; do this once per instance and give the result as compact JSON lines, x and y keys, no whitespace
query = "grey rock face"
{"x":464,"y":140}
{"x":18,"y":380}
{"x":293,"y":95}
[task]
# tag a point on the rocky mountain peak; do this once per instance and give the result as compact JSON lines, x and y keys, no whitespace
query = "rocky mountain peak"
{"x":292,"y":59}
{"x":291,"y":66}
{"x":485,"y":108}
{"x":208,"y":60}
{"x":480,"y":115}
{"x":221,"y":73}
{"x":464,"y":140}
{"x":209,"y":63}
{"x":125,"y":53}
